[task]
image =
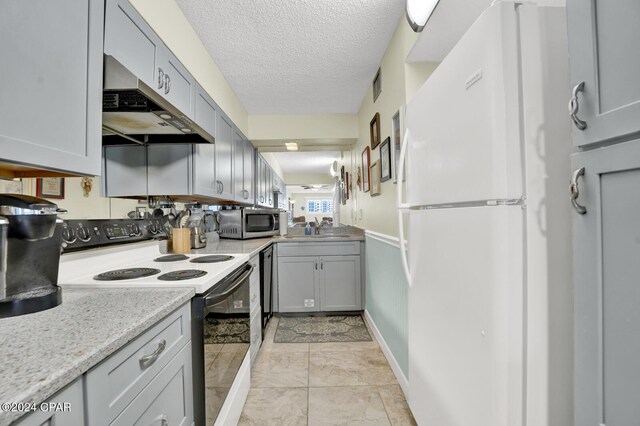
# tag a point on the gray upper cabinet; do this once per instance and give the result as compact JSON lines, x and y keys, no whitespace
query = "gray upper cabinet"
{"x":238,"y":167}
{"x":605,"y":56}
{"x":205,"y":110}
{"x":129,"y":39}
{"x":224,"y":158}
{"x":606,"y":296}
{"x":170,"y":168}
{"x":249,"y":171}
{"x":125,"y":171}
{"x":51,"y":85}
{"x":178,"y":87}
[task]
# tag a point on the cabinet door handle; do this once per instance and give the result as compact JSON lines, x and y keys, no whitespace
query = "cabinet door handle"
{"x":163,"y":419}
{"x":167,"y":84}
{"x":574,"y":106}
{"x":575,"y":191}
{"x":160,"y":78}
{"x":147,"y":361}
{"x":316,"y":263}
{"x":321,"y":265}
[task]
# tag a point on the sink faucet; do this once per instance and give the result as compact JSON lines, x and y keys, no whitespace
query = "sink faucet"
{"x":316,"y":230}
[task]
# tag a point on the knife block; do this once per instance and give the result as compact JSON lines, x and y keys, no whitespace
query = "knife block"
{"x":181,"y":240}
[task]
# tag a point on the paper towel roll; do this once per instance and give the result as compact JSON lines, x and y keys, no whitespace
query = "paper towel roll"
{"x":284,"y":223}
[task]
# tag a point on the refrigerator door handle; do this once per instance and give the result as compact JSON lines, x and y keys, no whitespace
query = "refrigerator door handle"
{"x":403,"y":207}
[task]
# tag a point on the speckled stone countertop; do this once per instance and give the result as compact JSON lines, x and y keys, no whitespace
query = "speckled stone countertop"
{"x":43,"y":352}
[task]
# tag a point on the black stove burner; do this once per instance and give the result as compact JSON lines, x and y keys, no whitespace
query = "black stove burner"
{"x":214,"y":258}
{"x":185,"y":274}
{"x":171,"y":258}
{"x":126,"y":274}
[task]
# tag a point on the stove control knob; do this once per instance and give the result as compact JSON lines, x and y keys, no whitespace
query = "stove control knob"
{"x":68,"y":236}
{"x":83,"y":234}
{"x":152,"y":228}
{"x":136,"y":230}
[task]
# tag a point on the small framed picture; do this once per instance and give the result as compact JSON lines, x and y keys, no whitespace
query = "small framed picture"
{"x":375,"y":178}
{"x":346,"y":182}
{"x":374,"y":127}
{"x":385,"y":160}
{"x":397,"y":125}
{"x":50,"y":188}
{"x":366,"y":175}
{"x":342,"y":173}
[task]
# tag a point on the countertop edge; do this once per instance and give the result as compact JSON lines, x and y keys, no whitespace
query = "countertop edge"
{"x":44,"y":390}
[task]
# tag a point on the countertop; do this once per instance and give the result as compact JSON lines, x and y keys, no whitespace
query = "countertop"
{"x":43,"y":352}
{"x":229,"y":246}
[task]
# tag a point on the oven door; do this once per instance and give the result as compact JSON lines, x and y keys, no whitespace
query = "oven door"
{"x":260,"y":224}
{"x":223,"y":339}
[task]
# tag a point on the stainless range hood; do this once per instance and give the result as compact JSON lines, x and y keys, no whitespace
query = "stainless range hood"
{"x":134,"y":112}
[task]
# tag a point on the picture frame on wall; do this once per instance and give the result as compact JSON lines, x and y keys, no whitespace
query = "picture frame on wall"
{"x":375,"y":178}
{"x":50,"y":188}
{"x":397,"y":130}
{"x":385,"y":160}
{"x":374,"y":129}
{"x":346,"y":181}
{"x":366,"y":175}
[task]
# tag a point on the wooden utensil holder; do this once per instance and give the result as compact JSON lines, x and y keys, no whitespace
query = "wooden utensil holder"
{"x":181,"y":240}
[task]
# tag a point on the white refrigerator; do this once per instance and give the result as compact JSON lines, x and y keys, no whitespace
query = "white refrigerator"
{"x":487,"y":220}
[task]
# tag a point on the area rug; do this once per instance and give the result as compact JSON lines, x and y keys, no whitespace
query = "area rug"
{"x":227,"y":330}
{"x":321,"y":329}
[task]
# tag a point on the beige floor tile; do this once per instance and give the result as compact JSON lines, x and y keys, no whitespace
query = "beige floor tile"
{"x":358,"y":405}
{"x":275,"y":406}
{"x":349,"y":369}
{"x":235,"y":347}
{"x":396,"y":406}
{"x":269,"y":346}
{"x":343,"y":346}
{"x":222,"y":370}
{"x":212,"y":349}
{"x":214,"y":401}
{"x":280,"y":369}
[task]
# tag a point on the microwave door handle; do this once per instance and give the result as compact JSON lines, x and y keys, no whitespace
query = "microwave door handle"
{"x":273,"y":218}
{"x":218,"y":297}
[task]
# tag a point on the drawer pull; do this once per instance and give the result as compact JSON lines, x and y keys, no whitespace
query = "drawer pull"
{"x":163,"y":419}
{"x":147,"y":361}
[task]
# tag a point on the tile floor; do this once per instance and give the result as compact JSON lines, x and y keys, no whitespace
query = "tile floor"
{"x":323,"y":384}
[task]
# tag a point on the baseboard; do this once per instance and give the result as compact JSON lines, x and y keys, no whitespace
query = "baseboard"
{"x":395,"y":367}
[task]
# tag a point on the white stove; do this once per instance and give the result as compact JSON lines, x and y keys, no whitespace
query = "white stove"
{"x":84,"y":269}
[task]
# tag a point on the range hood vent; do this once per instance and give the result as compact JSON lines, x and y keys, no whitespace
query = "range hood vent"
{"x":133,"y":112}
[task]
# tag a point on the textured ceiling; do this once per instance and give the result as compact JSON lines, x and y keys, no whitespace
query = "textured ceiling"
{"x":296,"y":56}
{"x":306,"y":162}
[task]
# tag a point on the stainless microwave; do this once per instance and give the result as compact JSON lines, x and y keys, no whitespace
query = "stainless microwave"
{"x":242,"y":224}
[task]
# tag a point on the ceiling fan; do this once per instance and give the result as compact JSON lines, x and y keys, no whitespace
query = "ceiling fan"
{"x":316,"y":187}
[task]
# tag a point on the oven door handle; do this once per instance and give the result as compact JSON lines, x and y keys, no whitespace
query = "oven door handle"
{"x":215,"y":298}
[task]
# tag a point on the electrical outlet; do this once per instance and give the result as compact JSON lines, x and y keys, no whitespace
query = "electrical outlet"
{"x":309,"y":303}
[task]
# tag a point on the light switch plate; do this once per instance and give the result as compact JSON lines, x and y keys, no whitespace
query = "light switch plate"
{"x":309,"y":303}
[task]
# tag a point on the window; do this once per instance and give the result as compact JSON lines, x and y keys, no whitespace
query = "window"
{"x":320,"y":206}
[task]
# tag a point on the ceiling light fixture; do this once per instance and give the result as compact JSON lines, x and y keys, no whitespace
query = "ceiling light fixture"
{"x":291,"y":146}
{"x":419,"y":12}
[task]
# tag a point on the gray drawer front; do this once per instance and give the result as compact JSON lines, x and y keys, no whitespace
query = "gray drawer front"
{"x":168,"y":399}
{"x":71,"y":395}
{"x":319,"y":249}
{"x":113,"y":384}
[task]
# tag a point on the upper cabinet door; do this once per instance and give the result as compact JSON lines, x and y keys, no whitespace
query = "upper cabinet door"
{"x":129,"y":39}
{"x":605,"y":65}
{"x":205,"y":111}
{"x":178,"y":87}
{"x":51,"y":84}
{"x":249,"y":172}
{"x":224,"y":158}
{"x":238,"y":167}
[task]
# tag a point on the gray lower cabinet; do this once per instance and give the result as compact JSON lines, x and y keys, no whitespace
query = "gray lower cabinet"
{"x":148,"y":380}
{"x":340,"y":284}
{"x":606,"y":290}
{"x":298,"y":284}
{"x":605,"y":64}
{"x":51,"y":85}
{"x":64,"y":408}
{"x":315,"y":277}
